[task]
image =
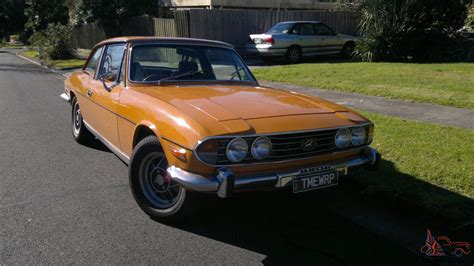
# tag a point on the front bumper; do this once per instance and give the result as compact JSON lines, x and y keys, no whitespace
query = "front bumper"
{"x":225,"y":183}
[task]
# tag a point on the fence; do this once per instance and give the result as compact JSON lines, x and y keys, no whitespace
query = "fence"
{"x":232,"y":26}
{"x":89,"y":35}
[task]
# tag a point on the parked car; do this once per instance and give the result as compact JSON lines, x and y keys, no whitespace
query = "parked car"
{"x":294,"y":40}
{"x":187,"y":115}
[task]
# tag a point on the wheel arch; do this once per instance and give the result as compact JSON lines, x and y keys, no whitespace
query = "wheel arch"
{"x":143,"y":130}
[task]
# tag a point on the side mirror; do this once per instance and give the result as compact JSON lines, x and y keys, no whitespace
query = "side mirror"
{"x":109,"y":77}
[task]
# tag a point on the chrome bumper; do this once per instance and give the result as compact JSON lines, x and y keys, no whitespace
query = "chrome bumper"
{"x":65,"y":97}
{"x":225,"y":183}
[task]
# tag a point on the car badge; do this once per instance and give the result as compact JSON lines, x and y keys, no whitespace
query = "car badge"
{"x":309,"y":144}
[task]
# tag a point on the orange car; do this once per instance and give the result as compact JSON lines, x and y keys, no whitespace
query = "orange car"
{"x":187,"y":115}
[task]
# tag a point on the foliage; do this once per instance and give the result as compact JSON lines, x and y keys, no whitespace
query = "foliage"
{"x":419,"y":30}
{"x":12,"y":17}
{"x":42,"y":13}
{"x":446,"y":84}
{"x":53,"y":42}
{"x":470,"y":18}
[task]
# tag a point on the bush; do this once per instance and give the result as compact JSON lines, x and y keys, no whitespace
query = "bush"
{"x":412,"y":30}
{"x":53,"y":42}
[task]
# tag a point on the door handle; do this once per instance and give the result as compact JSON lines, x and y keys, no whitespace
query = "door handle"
{"x":89,"y":93}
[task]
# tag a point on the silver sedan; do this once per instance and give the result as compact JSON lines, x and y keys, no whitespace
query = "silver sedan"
{"x":296,"y":39}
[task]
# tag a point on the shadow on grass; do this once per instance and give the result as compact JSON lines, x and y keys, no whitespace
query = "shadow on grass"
{"x":256,"y":61}
{"x":440,"y":208}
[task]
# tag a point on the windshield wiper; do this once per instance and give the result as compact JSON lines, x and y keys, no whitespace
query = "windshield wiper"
{"x":186,"y":74}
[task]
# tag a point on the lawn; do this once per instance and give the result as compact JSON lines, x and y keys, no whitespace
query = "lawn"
{"x":69,"y":63}
{"x":429,"y":164}
{"x":445,"y":84}
{"x":58,"y":64}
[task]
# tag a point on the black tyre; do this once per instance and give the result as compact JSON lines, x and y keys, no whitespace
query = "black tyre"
{"x":348,"y":50}
{"x":294,"y":55}
{"x":79,"y":131}
{"x":155,"y":192}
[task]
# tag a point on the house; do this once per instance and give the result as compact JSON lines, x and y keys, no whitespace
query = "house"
{"x":260,"y":4}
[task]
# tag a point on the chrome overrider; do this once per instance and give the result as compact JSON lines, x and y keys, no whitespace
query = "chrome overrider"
{"x":225,"y":183}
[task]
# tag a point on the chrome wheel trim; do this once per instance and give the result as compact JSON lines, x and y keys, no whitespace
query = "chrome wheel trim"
{"x":76,"y":119}
{"x":157,"y":186}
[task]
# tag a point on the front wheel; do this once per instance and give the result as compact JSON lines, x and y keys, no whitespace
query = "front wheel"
{"x":155,"y":192}
{"x":80,"y":133}
{"x":348,"y":50}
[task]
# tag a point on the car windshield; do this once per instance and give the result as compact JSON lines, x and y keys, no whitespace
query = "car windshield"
{"x":281,"y":28}
{"x":175,"y":63}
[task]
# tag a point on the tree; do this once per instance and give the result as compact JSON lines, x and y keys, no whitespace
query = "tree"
{"x":40,"y":13}
{"x":114,"y":13}
{"x":420,"y":30}
{"x":12,"y":17}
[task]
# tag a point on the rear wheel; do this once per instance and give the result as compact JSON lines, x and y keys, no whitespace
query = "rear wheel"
{"x":80,"y":133}
{"x":154,"y":190}
{"x":294,"y":55}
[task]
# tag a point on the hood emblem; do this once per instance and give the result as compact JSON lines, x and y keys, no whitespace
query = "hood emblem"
{"x":309,"y":144}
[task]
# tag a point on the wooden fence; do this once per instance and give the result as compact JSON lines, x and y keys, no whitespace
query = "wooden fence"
{"x":231,"y":26}
{"x":86,"y":36}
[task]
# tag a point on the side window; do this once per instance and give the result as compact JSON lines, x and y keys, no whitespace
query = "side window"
{"x":112,"y":60}
{"x":306,"y":29}
{"x":323,"y":30}
{"x":94,"y":61}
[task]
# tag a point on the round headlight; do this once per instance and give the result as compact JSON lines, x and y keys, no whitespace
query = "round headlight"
{"x":237,"y":150}
{"x":358,"y":136}
{"x":261,"y":148}
{"x":343,"y":138}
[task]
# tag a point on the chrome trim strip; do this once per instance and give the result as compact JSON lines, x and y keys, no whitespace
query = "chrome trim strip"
{"x":109,"y":145}
{"x":65,"y":97}
{"x":200,"y":183}
{"x":275,"y":134}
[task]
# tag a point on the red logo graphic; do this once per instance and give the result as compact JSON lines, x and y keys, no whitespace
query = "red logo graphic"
{"x":442,"y":245}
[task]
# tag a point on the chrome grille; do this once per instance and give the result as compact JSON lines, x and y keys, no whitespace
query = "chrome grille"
{"x":288,"y":146}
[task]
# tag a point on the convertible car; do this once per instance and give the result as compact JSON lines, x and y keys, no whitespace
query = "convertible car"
{"x":187,"y":116}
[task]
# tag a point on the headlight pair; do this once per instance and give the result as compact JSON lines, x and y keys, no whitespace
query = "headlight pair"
{"x":344,"y":137}
{"x":238,"y":148}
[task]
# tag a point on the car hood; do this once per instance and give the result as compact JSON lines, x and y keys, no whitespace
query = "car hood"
{"x":224,"y":103}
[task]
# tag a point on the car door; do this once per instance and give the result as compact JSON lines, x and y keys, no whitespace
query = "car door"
{"x":328,"y":42}
{"x":307,"y":39}
{"x":86,"y":77}
{"x":105,"y":94}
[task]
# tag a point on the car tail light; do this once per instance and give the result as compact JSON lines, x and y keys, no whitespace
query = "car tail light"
{"x":268,"y":40}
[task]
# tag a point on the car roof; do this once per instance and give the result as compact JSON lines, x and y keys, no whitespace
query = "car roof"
{"x":151,"y":39}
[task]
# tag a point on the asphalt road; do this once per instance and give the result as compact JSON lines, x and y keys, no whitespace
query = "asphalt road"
{"x":61,"y":202}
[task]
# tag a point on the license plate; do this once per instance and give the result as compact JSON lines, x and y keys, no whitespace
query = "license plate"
{"x":258,"y":41}
{"x":315,"y":181}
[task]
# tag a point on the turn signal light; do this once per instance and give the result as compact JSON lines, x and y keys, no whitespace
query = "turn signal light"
{"x":178,"y":152}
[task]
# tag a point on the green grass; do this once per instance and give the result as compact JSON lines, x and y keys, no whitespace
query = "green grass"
{"x":428,"y":164}
{"x":69,"y":63}
{"x":10,"y":46}
{"x":31,"y":54}
{"x":445,"y":84}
